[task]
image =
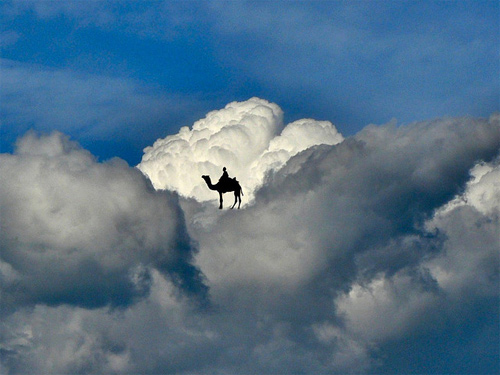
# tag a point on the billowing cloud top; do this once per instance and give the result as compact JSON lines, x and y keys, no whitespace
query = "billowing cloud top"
{"x":244,"y":137}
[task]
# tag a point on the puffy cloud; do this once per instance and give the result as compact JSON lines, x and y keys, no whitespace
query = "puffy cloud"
{"x":243,"y":136}
{"x":448,"y":297}
{"x":68,"y":339}
{"x":482,"y":192}
{"x":337,"y":244}
{"x":84,"y":233}
{"x":471,"y":222}
{"x":342,"y":200}
{"x":351,"y":256}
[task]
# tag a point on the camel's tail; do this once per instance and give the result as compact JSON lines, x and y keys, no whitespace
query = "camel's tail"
{"x":242,"y":192}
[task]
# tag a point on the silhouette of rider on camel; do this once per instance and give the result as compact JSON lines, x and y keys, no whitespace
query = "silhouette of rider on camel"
{"x":225,"y":177}
{"x":225,"y":180}
{"x":225,"y":185}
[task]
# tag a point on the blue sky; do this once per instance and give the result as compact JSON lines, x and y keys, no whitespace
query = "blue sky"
{"x":131,"y":72}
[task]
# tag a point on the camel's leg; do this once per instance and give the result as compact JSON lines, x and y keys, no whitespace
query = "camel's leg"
{"x":235,"y":200}
{"x":220,"y":199}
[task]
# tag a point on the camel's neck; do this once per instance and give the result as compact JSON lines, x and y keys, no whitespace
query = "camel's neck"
{"x":209,"y":183}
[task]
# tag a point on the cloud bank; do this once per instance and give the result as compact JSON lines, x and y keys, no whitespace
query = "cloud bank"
{"x":83,"y":233}
{"x":246,"y":137}
{"x":344,"y":245}
{"x":378,"y":254}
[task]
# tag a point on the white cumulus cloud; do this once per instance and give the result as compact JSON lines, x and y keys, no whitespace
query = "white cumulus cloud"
{"x":246,"y":137}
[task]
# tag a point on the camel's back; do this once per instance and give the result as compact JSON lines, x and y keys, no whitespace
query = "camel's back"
{"x":231,"y":184}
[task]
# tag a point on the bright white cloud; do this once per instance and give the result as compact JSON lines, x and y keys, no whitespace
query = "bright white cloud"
{"x":246,"y":137}
{"x":471,"y":222}
{"x":483,"y":190}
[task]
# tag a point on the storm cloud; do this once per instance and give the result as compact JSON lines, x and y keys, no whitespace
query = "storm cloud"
{"x":372,"y":253}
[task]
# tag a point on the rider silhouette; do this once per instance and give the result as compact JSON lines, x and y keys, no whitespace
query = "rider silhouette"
{"x":225,"y":176}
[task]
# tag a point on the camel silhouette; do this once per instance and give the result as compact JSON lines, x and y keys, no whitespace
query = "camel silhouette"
{"x":225,"y":186}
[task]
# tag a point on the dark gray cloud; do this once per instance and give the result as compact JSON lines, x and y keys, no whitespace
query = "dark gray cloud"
{"x":350,"y":258}
{"x":83,"y":233}
{"x":337,"y":250}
